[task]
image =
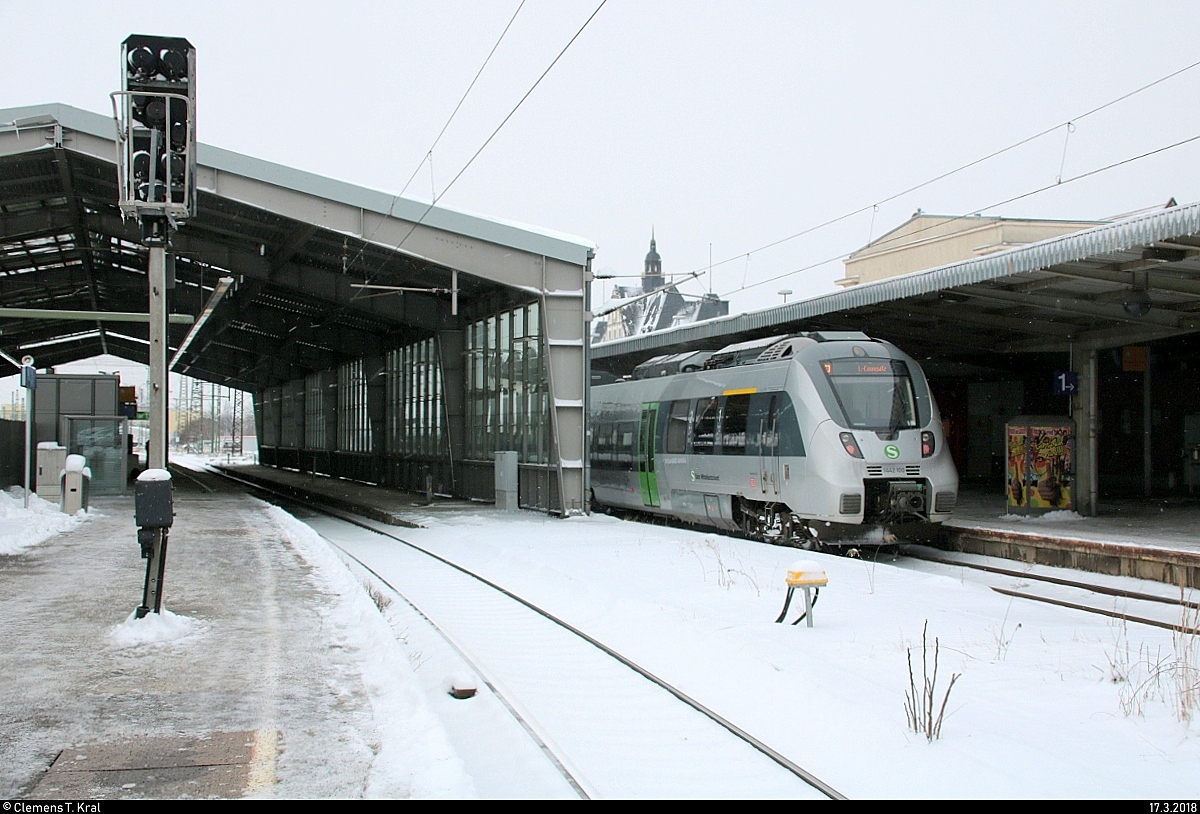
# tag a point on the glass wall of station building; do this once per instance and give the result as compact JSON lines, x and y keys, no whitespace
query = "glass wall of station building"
{"x":507,"y":400}
{"x":439,"y":409}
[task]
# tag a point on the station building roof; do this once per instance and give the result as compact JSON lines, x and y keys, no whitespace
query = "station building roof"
{"x":298,"y":245}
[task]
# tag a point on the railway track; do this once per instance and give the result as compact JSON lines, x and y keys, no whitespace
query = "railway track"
{"x":626,"y":732}
{"x":1093,"y":596}
{"x":1175,"y":613}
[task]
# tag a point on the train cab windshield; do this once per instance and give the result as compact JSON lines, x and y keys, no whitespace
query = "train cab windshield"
{"x":873,"y":393}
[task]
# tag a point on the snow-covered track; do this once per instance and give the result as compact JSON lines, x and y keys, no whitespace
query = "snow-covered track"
{"x":191,"y":476}
{"x":1089,"y":596}
{"x":626,"y":737}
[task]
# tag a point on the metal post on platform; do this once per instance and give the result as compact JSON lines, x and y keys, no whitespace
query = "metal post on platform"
{"x":156,"y":172}
{"x":158,"y":358}
{"x":29,"y":382}
{"x":154,"y":541}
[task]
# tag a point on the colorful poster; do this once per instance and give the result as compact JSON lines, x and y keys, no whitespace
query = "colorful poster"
{"x":1017,"y":436}
{"x":1040,"y":467}
{"x":1050,"y":465}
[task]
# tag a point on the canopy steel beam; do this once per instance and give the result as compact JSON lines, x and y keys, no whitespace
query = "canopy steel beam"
{"x":222,"y":286}
{"x":89,"y":316}
{"x":1161,"y":278}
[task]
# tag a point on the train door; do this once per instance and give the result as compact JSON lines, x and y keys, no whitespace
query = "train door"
{"x":647,"y":433}
{"x":768,"y":450}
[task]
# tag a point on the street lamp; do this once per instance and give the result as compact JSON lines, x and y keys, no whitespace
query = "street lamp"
{"x":784,"y":293}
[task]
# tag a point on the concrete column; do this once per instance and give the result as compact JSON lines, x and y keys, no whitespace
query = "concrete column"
{"x":1084,"y":410}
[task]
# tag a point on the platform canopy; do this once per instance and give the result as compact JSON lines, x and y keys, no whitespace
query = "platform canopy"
{"x":1131,"y":281}
{"x":298,"y":247}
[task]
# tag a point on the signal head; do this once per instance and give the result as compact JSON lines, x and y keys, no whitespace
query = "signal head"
{"x":142,"y":60}
{"x":173,"y":64}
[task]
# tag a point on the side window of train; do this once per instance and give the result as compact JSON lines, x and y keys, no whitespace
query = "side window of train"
{"x":626,"y":432}
{"x":704,"y":435}
{"x":602,"y":444}
{"x":756,"y":421}
{"x":734,"y":417}
{"x":787,"y":427}
{"x":677,"y":424}
{"x":774,"y":429}
{"x":770,"y":433}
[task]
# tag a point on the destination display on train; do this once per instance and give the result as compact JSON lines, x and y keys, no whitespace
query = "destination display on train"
{"x":862,"y":367}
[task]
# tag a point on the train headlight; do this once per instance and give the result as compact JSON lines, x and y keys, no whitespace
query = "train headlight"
{"x":927,"y":444}
{"x":851,"y":445}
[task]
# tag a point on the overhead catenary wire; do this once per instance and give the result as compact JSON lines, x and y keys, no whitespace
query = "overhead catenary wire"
{"x":1068,"y":123}
{"x":499,"y":127}
{"x":976,"y":212}
{"x":429,"y":153}
{"x":466,"y":93}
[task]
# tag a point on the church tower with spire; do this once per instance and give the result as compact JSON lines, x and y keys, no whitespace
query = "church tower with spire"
{"x":652,"y":276}
{"x":665,"y":308}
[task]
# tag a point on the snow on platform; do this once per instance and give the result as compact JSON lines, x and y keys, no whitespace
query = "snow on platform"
{"x":266,"y":641}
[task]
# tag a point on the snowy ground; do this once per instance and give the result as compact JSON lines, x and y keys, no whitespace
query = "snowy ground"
{"x":21,"y":528}
{"x":264,"y":631}
{"x":1049,"y":702}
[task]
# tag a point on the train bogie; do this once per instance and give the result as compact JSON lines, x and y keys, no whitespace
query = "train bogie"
{"x":800,"y":439}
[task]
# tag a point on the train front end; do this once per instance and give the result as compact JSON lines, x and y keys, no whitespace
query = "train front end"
{"x":878,"y":455}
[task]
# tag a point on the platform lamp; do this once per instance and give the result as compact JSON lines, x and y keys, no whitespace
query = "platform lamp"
{"x":155,"y":111}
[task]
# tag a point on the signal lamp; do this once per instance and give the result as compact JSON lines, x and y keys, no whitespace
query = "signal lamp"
{"x":927,"y":444}
{"x":141,"y":165}
{"x":851,"y":445}
{"x":142,"y":60}
{"x":156,"y":195}
{"x":173,"y":64}
{"x":174,"y":167}
{"x":179,"y":128}
{"x":154,"y":113}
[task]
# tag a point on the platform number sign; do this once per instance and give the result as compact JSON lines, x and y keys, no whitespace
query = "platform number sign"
{"x":1066,"y":383}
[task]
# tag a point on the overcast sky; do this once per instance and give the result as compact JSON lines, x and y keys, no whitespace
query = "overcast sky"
{"x":730,"y":125}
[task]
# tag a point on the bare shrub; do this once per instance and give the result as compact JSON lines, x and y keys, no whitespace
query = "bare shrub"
{"x":919,"y":704}
{"x":1185,"y":673}
{"x":1173,"y":679}
{"x":1002,"y":638}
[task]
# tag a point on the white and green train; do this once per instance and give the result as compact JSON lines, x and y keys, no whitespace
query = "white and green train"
{"x":807,"y":439}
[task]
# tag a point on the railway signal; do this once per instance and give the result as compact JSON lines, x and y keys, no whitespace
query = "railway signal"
{"x":156,"y":116}
{"x":156,"y":166}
